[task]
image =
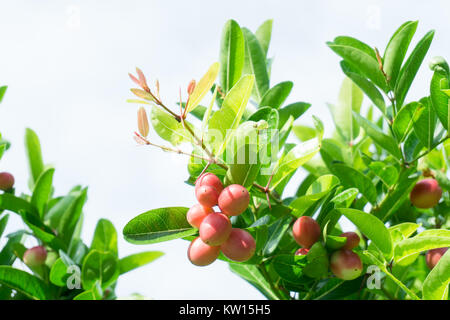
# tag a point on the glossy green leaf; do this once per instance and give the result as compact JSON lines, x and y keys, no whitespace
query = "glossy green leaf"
{"x":355,"y":43}
{"x":411,"y":66}
{"x":387,"y":173}
{"x":275,"y":232}
{"x":3,"y":223}
{"x":268,"y":114}
{"x":34,"y":154}
{"x":158,"y":225}
{"x":12,"y":203}
{"x":263,"y":34}
{"x":440,"y":100}
{"x":275,"y":96}
{"x":229,"y":115}
{"x":2,"y":92}
{"x":435,"y":286}
{"x":404,"y":121}
{"x":412,"y":246}
{"x":295,"y":110}
{"x":105,"y":237}
{"x":253,"y":275}
{"x":202,"y":87}
{"x":289,"y":267}
{"x":425,"y":124}
{"x":137,"y":260}
{"x":25,"y":283}
{"x":371,"y":227}
{"x":42,"y":191}
{"x":167,"y":127}
{"x":317,"y":266}
{"x":396,"y":50}
{"x":93,"y":294}
{"x":255,"y":63}
{"x":99,"y":266}
{"x":232,"y":51}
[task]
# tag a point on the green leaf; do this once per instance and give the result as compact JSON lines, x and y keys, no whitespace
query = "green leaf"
{"x":357,"y":44}
{"x":396,"y":50}
{"x":295,"y":110}
{"x":382,"y":140}
{"x":33,"y":149}
{"x":275,"y":232}
{"x":99,"y":266}
{"x":351,"y":177}
{"x":158,"y":225}
{"x":252,"y":274}
{"x":411,"y":66}
{"x":268,"y":114}
{"x":229,"y":115}
{"x":404,"y":121}
{"x":137,"y":260}
{"x":3,"y":223}
{"x":289,"y":267}
{"x":25,"y":283}
{"x":42,"y":191}
{"x":255,"y":63}
{"x":276,"y":95}
{"x":232,"y":52}
{"x":2,"y":92}
{"x":408,"y":249}
{"x":439,"y":100}
{"x":59,"y":272}
{"x":317,"y":266}
{"x":7,"y":254}
{"x":105,"y":237}
{"x":202,"y":87}
{"x":263,"y":34}
{"x":425,"y":124}
{"x":295,"y":158}
{"x":365,"y":63}
{"x":371,"y":227}
{"x":365,"y":85}
{"x":95,"y":293}
{"x":167,"y":127}
{"x":435,"y":286}
{"x":334,"y":288}
{"x":350,"y":99}
{"x":12,"y":203}
{"x":387,"y":173}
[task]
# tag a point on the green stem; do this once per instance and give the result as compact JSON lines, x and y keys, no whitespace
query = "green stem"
{"x":400,"y":284}
{"x":267,"y":277}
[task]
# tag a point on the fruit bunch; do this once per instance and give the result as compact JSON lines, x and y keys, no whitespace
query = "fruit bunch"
{"x":216,"y":233}
{"x":344,"y":263}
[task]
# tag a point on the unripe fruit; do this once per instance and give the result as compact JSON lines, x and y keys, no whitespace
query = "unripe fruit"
{"x":209,"y":179}
{"x":426,"y":194}
{"x":201,"y":254}
{"x":306,"y":231}
{"x":215,"y":229}
{"x":352,"y":240}
{"x":197,"y":213}
{"x":301,"y":252}
{"x":35,"y":257}
{"x":345,"y":264}
{"x":233,"y":200}
{"x":6,"y":181}
{"x":433,"y":256}
{"x":207,"y":196}
{"x":240,"y":245}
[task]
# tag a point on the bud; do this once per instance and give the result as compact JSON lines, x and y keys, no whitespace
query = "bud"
{"x":191,"y":87}
{"x":142,"y":80}
{"x":143,"y":122}
{"x":35,"y":257}
{"x":6,"y":181}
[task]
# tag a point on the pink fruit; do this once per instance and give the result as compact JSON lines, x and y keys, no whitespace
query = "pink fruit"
{"x":352,"y":240}
{"x":426,"y":194}
{"x":433,"y":256}
{"x":301,"y":252}
{"x":6,"y":181}
{"x":240,"y":245}
{"x":201,"y":254}
{"x":197,"y":213}
{"x":233,"y":200}
{"x":207,"y":196}
{"x":215,"y":229}
{"x":209,"y":179}
{"x":35,"y":257}
{"x":306,"y":231}
{"x":345,"y":264}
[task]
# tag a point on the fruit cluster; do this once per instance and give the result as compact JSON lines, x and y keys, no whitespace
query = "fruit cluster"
{"x":216,"y":233}
{"x":344,"y":263}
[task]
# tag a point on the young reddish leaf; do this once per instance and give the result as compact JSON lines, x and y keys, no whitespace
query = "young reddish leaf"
{"x":143,"y":122}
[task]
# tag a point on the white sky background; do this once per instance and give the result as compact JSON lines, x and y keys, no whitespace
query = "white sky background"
{"x":66,"y":65}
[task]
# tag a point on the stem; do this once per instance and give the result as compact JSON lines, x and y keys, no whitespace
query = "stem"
{"x":310,"y":292}
{"x":429,"y":150}
{"x":401,"y":285}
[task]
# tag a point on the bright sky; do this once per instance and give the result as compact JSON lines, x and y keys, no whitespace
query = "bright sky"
{"x":66,"y":65}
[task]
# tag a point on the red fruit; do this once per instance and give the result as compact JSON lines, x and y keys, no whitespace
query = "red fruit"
{"x":426,"y":194}
{"x":352,"y":240}
{"x":433,"y":256}
{"x":233,"y":200}
{"x":345,"y":264}
{"x":215,"y":229}
{"x":6,"y":181}
{"x":35,"y":257}
{"x":209,"y":179}
{"x":207,"y":196}
{"x":197,"y":213}
{"x":240,"y":245}
{"x":201,"y":254}
{"x":301,"y":252}
{"x":306,"y":231}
